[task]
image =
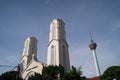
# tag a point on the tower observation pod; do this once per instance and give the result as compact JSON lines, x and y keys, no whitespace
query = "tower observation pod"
{"x":92,"y":47}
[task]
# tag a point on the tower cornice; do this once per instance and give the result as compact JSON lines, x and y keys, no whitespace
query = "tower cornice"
{"x":58,"y":40}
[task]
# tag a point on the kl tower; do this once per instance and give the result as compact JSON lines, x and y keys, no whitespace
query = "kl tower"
{"x":92,"y":47}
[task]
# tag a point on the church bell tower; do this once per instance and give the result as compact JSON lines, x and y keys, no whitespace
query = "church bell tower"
{"x":29,"y":52}
{"x":58,"y":48}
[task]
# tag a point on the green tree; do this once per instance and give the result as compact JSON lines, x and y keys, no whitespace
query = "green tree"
{"x":51,"y":72}
{"x":57,"y":73}
{"x":11,"y":75}
{"x":36,"y":76}
{"x":74,"y":74}
{"x":111,"y":73}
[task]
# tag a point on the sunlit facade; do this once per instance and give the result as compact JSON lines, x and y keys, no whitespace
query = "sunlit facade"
{"x":57,"y":51}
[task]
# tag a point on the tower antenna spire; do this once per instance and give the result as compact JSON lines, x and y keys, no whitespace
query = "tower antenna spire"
{"x":90,"y":36}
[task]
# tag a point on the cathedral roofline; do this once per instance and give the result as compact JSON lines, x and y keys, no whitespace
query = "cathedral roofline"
{"x":30,"y":64}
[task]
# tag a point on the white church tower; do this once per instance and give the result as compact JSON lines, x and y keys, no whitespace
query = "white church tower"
{"x":58,"y":48}
{"x":29,"y":52}
{"x":29,"y":63}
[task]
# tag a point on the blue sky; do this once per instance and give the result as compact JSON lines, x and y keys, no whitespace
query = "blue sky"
{"x":20,"y":19}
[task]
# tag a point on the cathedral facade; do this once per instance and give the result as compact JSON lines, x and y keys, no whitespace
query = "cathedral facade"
{"x":58,"y":53}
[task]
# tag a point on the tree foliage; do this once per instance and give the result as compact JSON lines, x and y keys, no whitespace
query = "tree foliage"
{"x":11,"y":75}
{"x":57,"y":72}
{"x":48,"y":73}
{"x":51,"y":72}
{"x":111,"y":73}
{"x":74,"y":74}
{"x":36,"y":76}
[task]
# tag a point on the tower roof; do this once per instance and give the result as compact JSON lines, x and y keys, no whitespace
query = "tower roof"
{"x":32,"y":37}
{"x":27,"y":46}
{"x":59,"y":20}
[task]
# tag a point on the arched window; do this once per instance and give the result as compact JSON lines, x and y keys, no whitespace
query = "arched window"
{"x":22,"y":65}
{"x":64,"y":57}
{"x":29,"y":74}
{"x":53,"y":31}
{"x":52,"y":55}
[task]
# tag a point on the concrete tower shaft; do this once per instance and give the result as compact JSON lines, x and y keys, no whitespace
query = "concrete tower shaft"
{"x":92,"y":47}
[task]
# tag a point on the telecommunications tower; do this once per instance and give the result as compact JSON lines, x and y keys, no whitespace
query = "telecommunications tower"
{"x":92,"y":47}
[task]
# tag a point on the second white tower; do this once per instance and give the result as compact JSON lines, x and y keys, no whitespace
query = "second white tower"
{"x":58,"y":48}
